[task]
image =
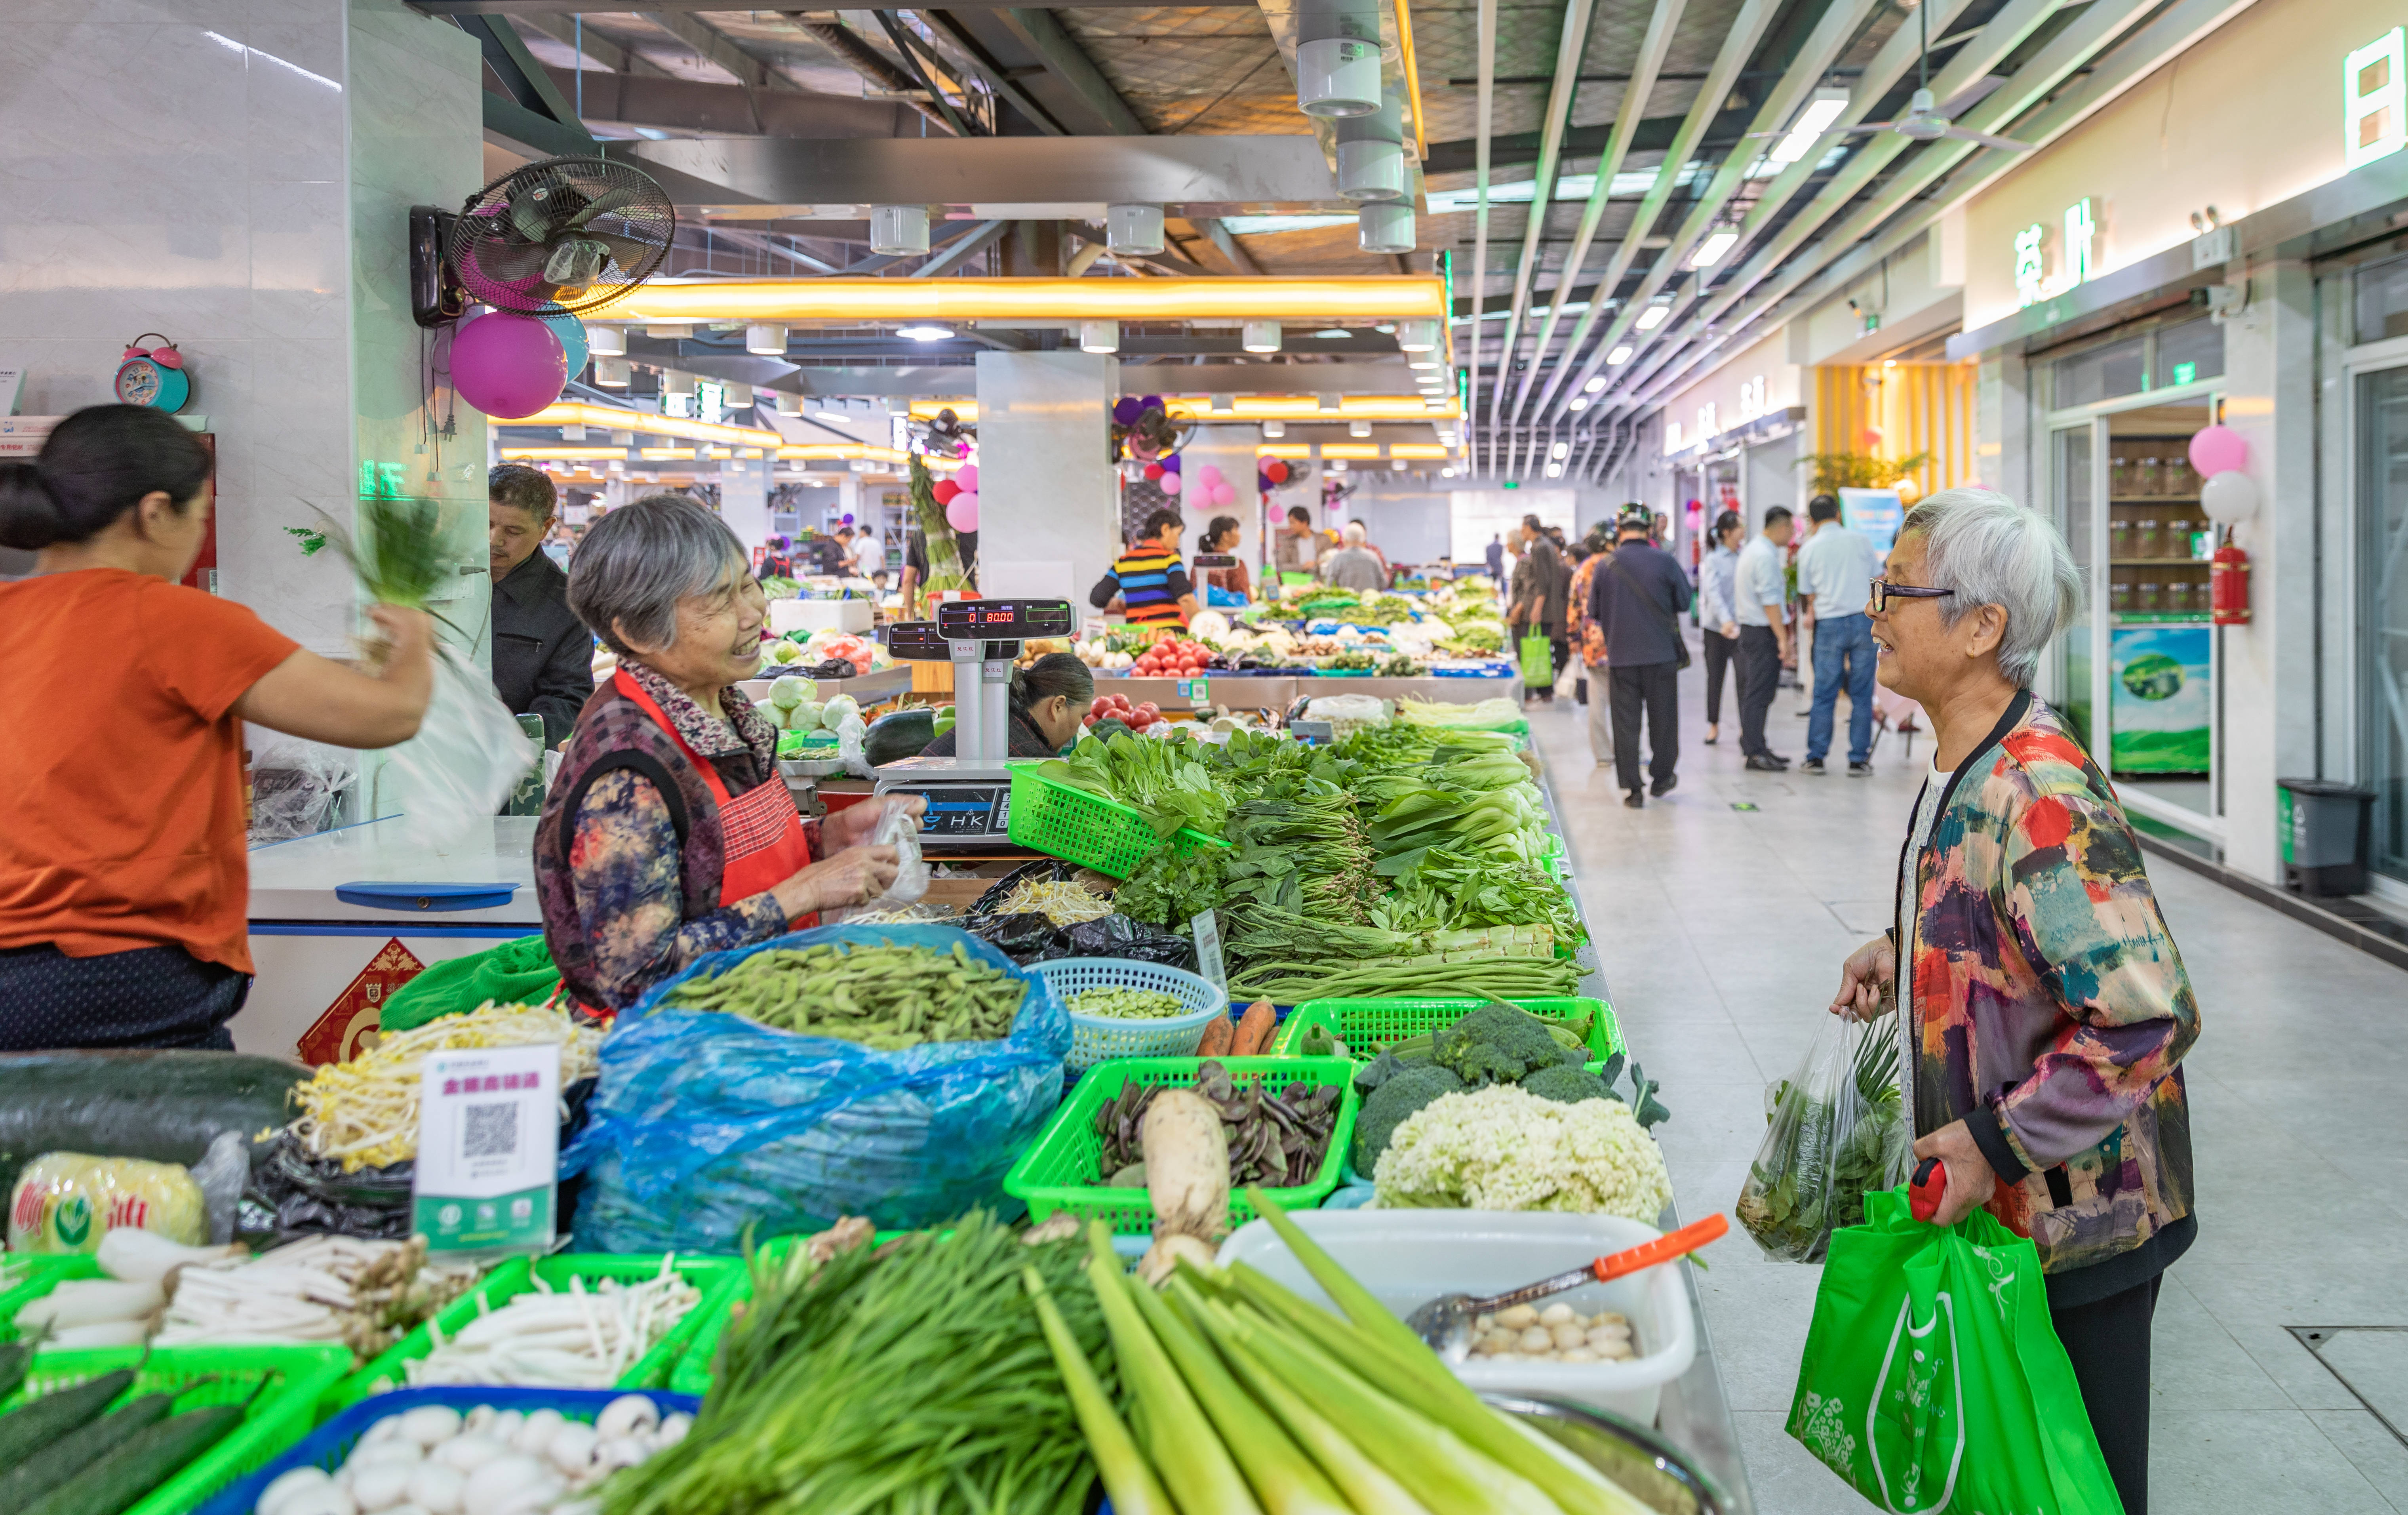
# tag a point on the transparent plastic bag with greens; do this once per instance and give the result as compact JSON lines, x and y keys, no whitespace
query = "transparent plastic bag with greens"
{"x":1835,"y":1131}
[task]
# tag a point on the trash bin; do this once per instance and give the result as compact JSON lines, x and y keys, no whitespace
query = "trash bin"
{"x":2327,"y":827}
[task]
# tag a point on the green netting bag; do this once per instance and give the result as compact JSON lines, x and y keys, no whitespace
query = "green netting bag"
{"x":515,"y":973}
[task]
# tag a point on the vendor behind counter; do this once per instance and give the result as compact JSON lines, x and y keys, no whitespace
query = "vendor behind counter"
{"x":123,"y":878}
{"x":543,"y":655}
{"x":1049,"y":701}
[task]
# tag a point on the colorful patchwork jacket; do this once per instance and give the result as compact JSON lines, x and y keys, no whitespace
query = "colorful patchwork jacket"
{"x":2050,"y":1006}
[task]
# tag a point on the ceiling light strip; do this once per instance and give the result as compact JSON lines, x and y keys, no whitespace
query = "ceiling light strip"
{"x":821,"y":302}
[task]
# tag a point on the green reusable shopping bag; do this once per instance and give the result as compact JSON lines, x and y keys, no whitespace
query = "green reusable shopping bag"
{"x":517,"y":972}
{"x":1538,"y":663}
{"x":1933,"y":1380}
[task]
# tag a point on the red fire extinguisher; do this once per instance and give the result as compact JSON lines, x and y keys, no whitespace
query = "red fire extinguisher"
{"x":2228,"y":584}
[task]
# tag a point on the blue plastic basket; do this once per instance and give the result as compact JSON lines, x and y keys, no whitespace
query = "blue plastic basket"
{"x":331,"y":1443}
{"x":1096,"y":1038}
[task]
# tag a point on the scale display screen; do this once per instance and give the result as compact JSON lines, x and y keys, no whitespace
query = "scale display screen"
{"x":964,"y":813}
{"x":1005,"y":620}
{"x":918,"y":641}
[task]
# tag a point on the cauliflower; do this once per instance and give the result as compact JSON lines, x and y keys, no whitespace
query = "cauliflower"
{"x":1503,"y":1148}
{"x":1497,"y":1043}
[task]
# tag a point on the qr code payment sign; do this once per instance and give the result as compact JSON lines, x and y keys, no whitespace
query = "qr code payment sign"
{"x":489,"y":1130}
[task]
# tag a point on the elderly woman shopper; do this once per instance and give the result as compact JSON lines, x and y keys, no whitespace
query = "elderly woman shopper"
{"x":2046,"y":1009}
{"x":668,"y":831}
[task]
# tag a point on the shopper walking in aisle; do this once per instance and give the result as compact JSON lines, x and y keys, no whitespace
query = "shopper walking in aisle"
{"x":1636,"y":598}
{"x":1221,"y":537}
{"x":1354,"y":566}
{"x":1293,"y":547}
{"x":1761,"y":587}
{"x":1835,"y":574}
{"x":1717,"y":579}
{"x":125,"y":888}
{"x":1148,"y":580}
{"x":668,"y":832}
{"x":543,"y":655}
{"x":2049,"y":1006}
{"x":1495,"y":556}
{"x":1541,"y":590}
{"x":1587,"y":556}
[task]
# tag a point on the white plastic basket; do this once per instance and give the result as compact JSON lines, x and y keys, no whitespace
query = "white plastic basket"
{"x":1098,"y":1038}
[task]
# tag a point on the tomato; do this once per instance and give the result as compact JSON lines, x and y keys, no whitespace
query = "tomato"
{"x":1147,"y":713}
{"x":1089,"y":719}
{"x":1103,"y":703}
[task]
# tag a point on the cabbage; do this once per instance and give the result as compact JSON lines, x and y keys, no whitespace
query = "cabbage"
{"x":805,"y":716}
{"x":775,"y":716}
{"x":791,"y":690}
{"x":837,"y":711}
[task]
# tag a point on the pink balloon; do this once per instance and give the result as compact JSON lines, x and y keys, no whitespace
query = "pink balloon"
{"x":507,"y":366}
{"x":1170,"y":483}
{"x":2217,"y":448}
{"x":963,"y":513}
{"x":1225,"y":493}
{"x":967,"y":476}
{"x":1210,"y":473}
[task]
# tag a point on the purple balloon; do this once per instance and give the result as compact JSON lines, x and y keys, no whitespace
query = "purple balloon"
{"x":1171,"y":463}
{"x":507,"y":366}
{"x":1126,"y":411}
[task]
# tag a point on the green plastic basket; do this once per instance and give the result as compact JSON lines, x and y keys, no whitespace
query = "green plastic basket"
{"x":693,"y":1373}
{"x":48,"y":1271}
{"x":1075,"y":826}
{"x":713,"y":1276}
{"x":1059,"y":1171}
{"x":281,"y":1415}
{"x":1358,"y":1024}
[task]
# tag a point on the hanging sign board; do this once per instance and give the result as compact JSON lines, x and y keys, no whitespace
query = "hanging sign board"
{"x":488,"y":1171}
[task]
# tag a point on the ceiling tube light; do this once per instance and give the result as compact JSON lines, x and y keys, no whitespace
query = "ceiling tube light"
{"x":1555,"y":470}
{"x":1709,"y":252}
{"x":1560,"y":450}
{"x":1654,"y":315}
{"x":766,"y":341}
{"x":1386,"y":227}
{"x":1099,"y":336}
{"x":899,"y":230}
{"x":1317,"y":301}
{"x":1620,"y":355}
{"x":1417,"y":336}
{"x":926,"y":333}
{"x":1820,"y":111}
{"x":611,"y":372}
{"x":1133,"y":228}
{"x":1595,"y":385}
{"x":1579,"y":402}
{"x":1260,"y":337}
{"x":607,"y":341}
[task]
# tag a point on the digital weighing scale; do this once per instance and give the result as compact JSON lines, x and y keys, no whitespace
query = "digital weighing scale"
{"x":970,"y":796}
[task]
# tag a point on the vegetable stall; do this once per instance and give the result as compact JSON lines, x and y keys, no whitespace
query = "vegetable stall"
{"x":1148,"y":1219}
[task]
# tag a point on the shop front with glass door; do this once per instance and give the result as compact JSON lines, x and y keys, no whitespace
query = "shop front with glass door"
{"x":2374,"y":370}
{"x":2138,"y":675}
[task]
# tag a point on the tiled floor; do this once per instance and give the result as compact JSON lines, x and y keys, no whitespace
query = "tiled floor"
{"x":1721,"y":933}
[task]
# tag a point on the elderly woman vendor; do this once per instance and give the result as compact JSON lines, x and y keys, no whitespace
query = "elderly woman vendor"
{"x":2046,"y":1008}
{"x":668,"y":831}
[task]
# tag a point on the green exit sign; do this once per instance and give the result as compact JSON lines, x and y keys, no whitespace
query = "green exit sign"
{"x":1512,"y":483}
{"x":2186,"y":372}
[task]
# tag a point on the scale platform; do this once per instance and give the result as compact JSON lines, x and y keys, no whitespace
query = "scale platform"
{"x":969,"y":803}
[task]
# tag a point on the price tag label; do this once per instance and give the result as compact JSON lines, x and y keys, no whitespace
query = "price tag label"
{"x":1311,"y":731}
{"x":488,"y":1171}
{"x":1207,"y":928}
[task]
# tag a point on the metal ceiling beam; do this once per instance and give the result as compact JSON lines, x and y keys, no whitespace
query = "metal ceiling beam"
{"x":1571,"y":44}
{"x":2008,"y":30}
{"x":856,"y":54}
{"x":1046,"y":38}
{"x":903,"y":40}
{"x":1487,"y":118}
{"x":1739,"y":45}
{"x":688,"y":105}
{"x":998,"y":78}
{"x":2078,"y":46}
{"x":521,"y":75}
{"x":960,"y":248}
{"x":1228,"y":245}
{"x":592,"y":45}
{"x":1653,"y":134}
{"x":1192,"y":174}
{"x":591,"y":8}
{"x":1643,"y":69}
{"x":714,"y":45}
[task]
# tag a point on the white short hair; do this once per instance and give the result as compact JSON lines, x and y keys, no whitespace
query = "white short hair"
{"x":1354,"y":533}
{"x":1994,"y":552}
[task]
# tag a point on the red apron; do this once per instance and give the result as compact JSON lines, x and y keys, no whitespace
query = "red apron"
{"x":762,"y":832}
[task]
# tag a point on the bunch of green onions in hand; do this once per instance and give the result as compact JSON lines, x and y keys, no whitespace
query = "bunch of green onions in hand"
{"x":398,"y":552}
{"x":1249,"y":1401}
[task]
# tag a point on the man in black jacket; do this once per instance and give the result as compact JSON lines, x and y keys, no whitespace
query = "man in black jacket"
{"x":1636,"y":598}
{"x":543,"y":655}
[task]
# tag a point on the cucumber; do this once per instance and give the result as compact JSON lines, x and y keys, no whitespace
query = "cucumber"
{"x":33,"y":1425}
{"x":144,"y":1461}
{"x":14,"y":1357}
{"x":62,"y":1460}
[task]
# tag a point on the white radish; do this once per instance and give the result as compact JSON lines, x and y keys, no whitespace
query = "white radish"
{"x":290,"y":1485}
{"x":102,"y":1334}
{"x":628,"y":1415}
{"x":134,"y":1255}
{"x":91,"y":1302}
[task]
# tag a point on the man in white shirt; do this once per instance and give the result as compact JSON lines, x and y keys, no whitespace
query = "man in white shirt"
{"x":1761,"y":589}
{"x":1837,"y":568}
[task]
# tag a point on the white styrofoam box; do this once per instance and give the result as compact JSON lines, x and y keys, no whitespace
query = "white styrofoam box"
{"x":818,"y":616}
{"x":1408,"y":1258}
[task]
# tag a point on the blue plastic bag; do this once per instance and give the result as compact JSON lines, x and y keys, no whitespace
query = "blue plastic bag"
{"x":704,"y":1122}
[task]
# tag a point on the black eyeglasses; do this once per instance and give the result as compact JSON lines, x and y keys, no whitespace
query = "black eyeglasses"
{"x":1883,"y":589}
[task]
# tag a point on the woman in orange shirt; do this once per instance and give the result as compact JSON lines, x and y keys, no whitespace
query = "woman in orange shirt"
{"x":123,"y":885}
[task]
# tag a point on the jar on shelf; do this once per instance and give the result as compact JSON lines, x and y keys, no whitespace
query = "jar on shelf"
{"x":2178,"y":598}
{"x":2178,"y":534}
{"x":2148,"y":540}
{"x":2145,"y":598}
{"x":2119,"y":596}
{"x":2146,"y":481}
{"x":2119,"y":538}
{"x":2119,"y":475}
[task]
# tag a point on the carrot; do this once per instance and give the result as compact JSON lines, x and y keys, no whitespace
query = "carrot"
{"x":1217,"y":1038}
{"x":1254,"y":1030}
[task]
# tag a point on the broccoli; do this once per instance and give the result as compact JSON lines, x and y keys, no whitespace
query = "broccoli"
{"x":1395,"y":1097}
{"x":1565,"y":1084}
{"x":1498,"y":1044}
